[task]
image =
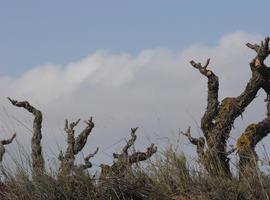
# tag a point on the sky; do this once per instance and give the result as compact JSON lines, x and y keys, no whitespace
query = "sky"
{"x":126,"y":63}
{"x":34,"y":32}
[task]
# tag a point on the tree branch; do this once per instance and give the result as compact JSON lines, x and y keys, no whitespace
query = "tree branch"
{"x":130,"y":141}
{"x":202,"y":69}
{"x":8,"y":141}
{"x":247,"y":142}
{"x":124,"y":160}
{"x":82,"y":138}
{"x":258,"y":80}
{"x":67,"y":160}
{"x":262,"y":52}
{"x":74,"y":147}
{"x":37,"y":157}
{"x":198,"y":142}
{"x":218,"y":119}
{"x":3,"y":143}
{"x":142,"y":156}
{"x":87,"y":164}
{"x":212,"y":98}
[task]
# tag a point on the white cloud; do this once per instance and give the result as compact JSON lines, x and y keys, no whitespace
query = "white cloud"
{"x":157,"y":90}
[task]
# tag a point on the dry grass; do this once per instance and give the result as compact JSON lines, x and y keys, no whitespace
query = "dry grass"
{"x":167,"y":176}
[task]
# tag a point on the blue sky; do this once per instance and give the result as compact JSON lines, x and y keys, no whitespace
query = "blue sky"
{"x":35,"y":32}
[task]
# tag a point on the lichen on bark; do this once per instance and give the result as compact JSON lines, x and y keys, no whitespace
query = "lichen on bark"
{"x":247,"y":142}
{"x":218,"y":119}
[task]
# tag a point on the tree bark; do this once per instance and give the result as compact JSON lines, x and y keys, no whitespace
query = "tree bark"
{"x":74,"y":147}
{"x":124,"y":161}
{"x":218,"y":119}
{"x":37,"y":157}
{"x":247,"y":142}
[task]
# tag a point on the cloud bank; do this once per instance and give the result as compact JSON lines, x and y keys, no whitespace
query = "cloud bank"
{"x":157,"y":90}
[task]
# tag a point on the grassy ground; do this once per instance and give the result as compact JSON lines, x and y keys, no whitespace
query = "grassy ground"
{"x":166,"y":176}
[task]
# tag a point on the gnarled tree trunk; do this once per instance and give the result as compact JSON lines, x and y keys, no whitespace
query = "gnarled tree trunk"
{"x":218,"y":119}
{"x":75,"y":145}
{"x":247,"y":142}
{"x":37,"y":157}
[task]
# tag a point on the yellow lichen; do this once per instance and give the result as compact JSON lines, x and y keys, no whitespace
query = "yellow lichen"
{"x":244,"y":142}
{"x":226,"y":105}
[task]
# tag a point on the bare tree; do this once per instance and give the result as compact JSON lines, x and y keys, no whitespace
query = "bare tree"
{"x":218,"y":119}
{"x":75,"y":145}
{"x":124,"y":161}
{"x":37,"y":157}
{"x":111,"y":176}
{"x":87,"y":164}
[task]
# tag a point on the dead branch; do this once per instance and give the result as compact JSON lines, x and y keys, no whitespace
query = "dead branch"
{"x":131,"y":141}
{"x":202,"y":69}
{"x":198,"y":142}
{"x":124,"y":161}
{"x":142,"y":156}
{"x":67,"y":160}
{"x":82,"y":138}
{"x":87,"y":164}
{"x":262,"y":52}
{"x":212,"y":98}
{"x":37,"y":157}
{"x":74,"y":147}
{"x":2,"y":145}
